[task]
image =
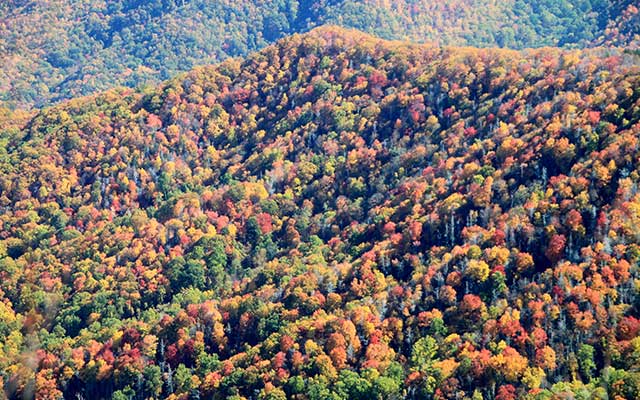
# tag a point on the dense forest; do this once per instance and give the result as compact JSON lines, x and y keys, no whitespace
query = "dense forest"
{"x":334,"y":217}
{"x":58,"y":49}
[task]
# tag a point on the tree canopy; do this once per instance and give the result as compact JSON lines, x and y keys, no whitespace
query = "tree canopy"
{"x":334,"y":217}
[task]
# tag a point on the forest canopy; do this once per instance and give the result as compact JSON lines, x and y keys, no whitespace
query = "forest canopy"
{"x":333,"y":217}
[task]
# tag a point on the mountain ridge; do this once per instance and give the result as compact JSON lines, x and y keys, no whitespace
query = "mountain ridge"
{"x":56,"y":50}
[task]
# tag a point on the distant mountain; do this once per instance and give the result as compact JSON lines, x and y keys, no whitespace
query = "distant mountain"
{"x":623,"y":29}
{"x":334,"y":217}
{"x":57,"y":49}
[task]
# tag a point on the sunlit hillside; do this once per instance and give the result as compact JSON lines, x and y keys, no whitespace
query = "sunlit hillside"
{"x":333,"y":217}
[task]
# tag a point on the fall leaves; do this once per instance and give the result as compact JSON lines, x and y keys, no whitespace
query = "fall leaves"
{"x":361,"y":228}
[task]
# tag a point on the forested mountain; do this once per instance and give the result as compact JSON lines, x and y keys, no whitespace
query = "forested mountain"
{"x":58,"y":49}
{"x":334,"y":217}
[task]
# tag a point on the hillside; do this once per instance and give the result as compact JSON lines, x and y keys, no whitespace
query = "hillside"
{"x":59,"y":49}
{"x":334,"y":217}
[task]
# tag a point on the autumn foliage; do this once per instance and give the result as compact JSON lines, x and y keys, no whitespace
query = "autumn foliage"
{"x":334,"y":217}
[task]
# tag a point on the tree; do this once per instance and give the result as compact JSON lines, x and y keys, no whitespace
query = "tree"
{"x":272,"y":394}
{"x":182,"y":379}
{"x":125,"y":394}
{"x":423,"y":354}
{"x":586,"y":361}
{"x":183,"y":274}
{"x":478,"y":270}
{"x":556,"y":247}
{"x":152,"y":381}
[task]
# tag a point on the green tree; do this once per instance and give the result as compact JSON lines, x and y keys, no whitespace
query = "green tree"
{"x":183,"y":274}
{"x":182,"y":379}
{"x":152,"y":381}
{"x":586,"y":361}
{"x":423,"y":354}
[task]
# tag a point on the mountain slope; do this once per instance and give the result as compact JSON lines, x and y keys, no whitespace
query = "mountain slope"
{"x":334,"y":217}
{"x":60,"y":49}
